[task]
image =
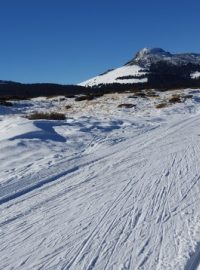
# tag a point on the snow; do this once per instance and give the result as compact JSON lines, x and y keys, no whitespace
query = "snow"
{"x":154,"y":53}
{"x":112,"y":76}
{"x":108,"y":188}
{"x":10,"y":128}
{"x":195,"y":75}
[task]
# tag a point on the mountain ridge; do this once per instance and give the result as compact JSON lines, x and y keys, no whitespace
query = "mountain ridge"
{"x":146,"y":56}
{"x":139,"y":69}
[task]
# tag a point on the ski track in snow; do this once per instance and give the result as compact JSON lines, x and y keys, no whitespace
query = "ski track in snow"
{"x":127,"y":205}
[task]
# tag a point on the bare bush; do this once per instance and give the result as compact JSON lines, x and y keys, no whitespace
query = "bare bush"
{"x":161,"y":105}
{"x":175,"y":99}
{"x":90,"y":96}
{"x":126,"y":105}
{"x":46,"y":116}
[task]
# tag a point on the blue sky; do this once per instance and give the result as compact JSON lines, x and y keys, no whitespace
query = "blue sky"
{"x":68,"y":41}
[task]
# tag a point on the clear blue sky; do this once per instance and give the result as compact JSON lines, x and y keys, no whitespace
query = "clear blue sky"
{"x":68,"y":41}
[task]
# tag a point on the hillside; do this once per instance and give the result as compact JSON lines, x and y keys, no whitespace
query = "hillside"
{"x":152,"y":68}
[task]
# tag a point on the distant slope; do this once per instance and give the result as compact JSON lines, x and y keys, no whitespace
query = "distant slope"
{"x":147,"y":66}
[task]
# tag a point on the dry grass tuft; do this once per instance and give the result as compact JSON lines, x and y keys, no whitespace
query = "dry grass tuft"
{"x":175,"y":99}
{"x":151,"y":94}
{"x":46,"y":116}
{"x":161,"y":105}
{"x":126,"y":105}
{"x":67,"y":107}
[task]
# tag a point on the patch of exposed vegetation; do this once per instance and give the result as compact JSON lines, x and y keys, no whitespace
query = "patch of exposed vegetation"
{"x":132,"y":96}
{"x":56,"y":98}
{"x":140,"y":94}
{"x":162,"y":105}
{"x":46,"y":116}
{"x":175,"y":99}
{"x":67,"y":107}
{"x":126,"y":105}
{"x":81,"y":98}
{"x":151,"y":93}
{"x":90,"y":96}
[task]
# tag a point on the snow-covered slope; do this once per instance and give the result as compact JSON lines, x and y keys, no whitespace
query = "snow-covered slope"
{"x":137,"y":70}
{"x":109,"y":188}
{"x":125,"y":74}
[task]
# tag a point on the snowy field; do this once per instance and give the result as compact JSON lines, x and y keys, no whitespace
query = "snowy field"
{"x":107,"y":188}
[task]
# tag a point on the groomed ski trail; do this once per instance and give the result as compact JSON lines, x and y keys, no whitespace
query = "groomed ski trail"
{"x":135,"y":207}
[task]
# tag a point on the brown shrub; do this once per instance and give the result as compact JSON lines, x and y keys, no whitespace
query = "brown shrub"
{"x":81,"y":98}
{"x":140,"y":94}
{"x":161,"y":105}
{"x":126,"y":105}
{"x":132,"y":97}
{"x":46,"y":116}
{"x":56,"y":98}
{"x":150,"y":93}
{"x":90,"y":96}
{"x":175,"y":99}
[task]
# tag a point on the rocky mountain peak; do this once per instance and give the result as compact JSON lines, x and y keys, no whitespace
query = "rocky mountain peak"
{"x":146,"y":57}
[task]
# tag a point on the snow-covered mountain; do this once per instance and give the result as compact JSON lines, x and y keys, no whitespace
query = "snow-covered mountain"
{"x":138,"y":69}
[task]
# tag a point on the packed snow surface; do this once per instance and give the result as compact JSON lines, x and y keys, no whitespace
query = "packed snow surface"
{"x":109,"y":188}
